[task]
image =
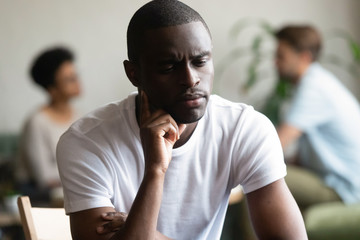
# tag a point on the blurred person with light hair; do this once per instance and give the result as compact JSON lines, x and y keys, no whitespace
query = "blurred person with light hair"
{"x":37,"y":173}
{"x":324,"y":116}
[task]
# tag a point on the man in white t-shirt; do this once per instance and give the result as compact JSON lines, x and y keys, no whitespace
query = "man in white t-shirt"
{"x":170,"y":155}
{"x":325,"y":117}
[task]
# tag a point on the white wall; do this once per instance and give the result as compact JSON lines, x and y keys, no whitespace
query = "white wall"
{"x":96,"y":31}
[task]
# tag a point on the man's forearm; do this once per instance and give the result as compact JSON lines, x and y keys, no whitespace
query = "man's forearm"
{"x":288,"y":134}
{"x":141,"y":222}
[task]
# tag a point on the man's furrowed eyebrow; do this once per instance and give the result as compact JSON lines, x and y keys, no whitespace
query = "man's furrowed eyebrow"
{"x":202,"y":54}
{"x":173,"y":58}
{"x":167,"y":61}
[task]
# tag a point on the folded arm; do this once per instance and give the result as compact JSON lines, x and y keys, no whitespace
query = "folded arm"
{"x":88,"y":224}
{"x":158,"y":132}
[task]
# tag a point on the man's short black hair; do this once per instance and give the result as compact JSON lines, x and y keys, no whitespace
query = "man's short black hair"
{"x":301,"y":38}
{"x":47,"y":63}
{"x":157,"y":14}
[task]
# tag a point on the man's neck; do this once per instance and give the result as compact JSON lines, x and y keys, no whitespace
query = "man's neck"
{"x":304,"y":68}
{"x":185,"y":136}
{"x":301,"y":72}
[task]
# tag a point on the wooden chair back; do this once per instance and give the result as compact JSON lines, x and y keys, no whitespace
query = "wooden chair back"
{"x":43,"y":223}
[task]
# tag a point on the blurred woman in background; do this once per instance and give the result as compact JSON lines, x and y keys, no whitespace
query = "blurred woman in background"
{"x":36,"y":170}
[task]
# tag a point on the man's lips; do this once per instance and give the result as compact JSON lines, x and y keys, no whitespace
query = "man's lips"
{"x":187,"y":97}
{"x":192,"y":100}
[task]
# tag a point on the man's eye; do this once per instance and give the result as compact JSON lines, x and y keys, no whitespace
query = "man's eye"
{"x":200,"y":62}
{"x":167,"y":68}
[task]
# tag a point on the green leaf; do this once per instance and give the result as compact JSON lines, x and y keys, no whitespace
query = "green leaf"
{"x":252,"y":76}
{"x":268,"y":28}
{"x":256,"y":44}
{"x":355,"y":49}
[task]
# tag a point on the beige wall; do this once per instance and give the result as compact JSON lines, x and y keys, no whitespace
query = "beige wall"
{"x":96,"y":31}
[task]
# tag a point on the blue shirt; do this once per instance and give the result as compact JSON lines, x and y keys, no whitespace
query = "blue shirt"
{"x":329,"y":117}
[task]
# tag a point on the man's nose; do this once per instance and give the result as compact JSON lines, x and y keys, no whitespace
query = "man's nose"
{"x":190,"y":77}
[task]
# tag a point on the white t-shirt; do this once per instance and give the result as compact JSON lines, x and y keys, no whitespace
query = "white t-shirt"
{"x":101,"y":164}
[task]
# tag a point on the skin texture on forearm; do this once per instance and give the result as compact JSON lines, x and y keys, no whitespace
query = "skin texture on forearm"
{"x":115,"y":221}
{"x":91,"y":224}
{"x":140,"y":223}
{"x":142,"y":219}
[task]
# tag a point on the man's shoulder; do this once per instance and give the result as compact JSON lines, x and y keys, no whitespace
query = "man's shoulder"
{"x":113,"y":111}
{"x":220,"y":102}
{"x":226,"y":112}
{"x":317,"y":74}
{"x":219,"y":105}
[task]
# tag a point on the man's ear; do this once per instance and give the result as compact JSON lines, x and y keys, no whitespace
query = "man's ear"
{"x":131,"y":72}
